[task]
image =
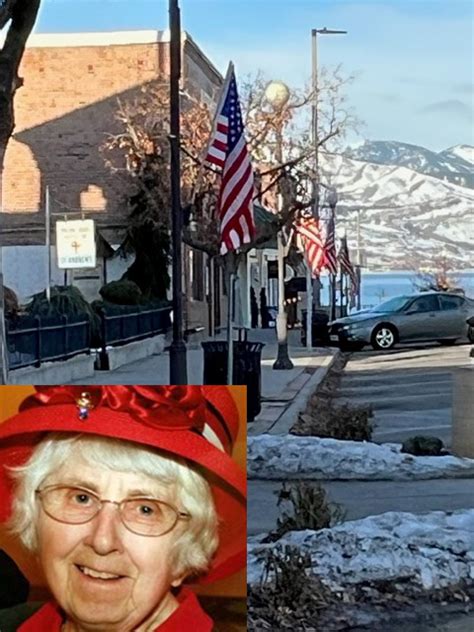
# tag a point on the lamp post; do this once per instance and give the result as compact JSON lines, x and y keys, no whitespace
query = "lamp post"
{"x":315,"y":137}
{"x":331,"y":199}
{"x":178,"y":368}
{"x":277,"y":94}
{"x":3,"y":333}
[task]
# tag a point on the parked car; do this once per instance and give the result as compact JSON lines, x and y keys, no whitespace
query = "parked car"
{"x":470,"y":335}
{"x":439,"y":316}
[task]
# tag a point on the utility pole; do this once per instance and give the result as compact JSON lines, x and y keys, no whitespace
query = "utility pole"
{"x":315,"y":139}
{"x":178,"y":366}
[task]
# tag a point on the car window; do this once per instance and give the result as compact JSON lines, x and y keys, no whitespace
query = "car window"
{"x":451,"y":302}
{"x":425,"y":304}
{"x":393,"y":305}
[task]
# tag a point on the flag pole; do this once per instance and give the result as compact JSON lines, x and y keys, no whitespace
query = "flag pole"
{"x":230,"y":341}
{"x":309,"y":306}
{"x":223,"y":91}
{"x":341,"y":291}
{"x":47,"y":219}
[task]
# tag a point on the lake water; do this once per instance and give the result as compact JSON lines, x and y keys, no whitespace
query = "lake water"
{"x":380,"y":286}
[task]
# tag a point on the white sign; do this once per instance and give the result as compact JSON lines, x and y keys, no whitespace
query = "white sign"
{"x":75,"y":244}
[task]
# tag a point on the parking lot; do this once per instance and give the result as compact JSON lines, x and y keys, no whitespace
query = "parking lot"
{"x":409,"y":388}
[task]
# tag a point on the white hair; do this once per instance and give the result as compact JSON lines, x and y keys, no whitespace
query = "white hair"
{"x":194,"y":545}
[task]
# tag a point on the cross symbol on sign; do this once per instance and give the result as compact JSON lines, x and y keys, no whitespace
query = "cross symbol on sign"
{"x":76,"y":246}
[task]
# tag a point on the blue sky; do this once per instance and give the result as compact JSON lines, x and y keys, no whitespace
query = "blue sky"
{"x":412,"y":59}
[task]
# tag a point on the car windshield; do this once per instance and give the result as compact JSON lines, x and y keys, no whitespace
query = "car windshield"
{"x":393,"y":305}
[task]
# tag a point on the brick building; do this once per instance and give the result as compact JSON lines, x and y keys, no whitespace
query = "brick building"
{"x":63,"y":111}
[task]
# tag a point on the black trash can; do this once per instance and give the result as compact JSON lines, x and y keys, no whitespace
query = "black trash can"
{"x":246,"y":370}
{"x":320,"y":328}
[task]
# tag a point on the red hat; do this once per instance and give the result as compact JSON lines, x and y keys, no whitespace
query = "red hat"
{"x":198,"y":423}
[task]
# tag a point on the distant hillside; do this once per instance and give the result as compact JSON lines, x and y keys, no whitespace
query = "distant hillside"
{"x":406,"y":215}
{"x":455,"y":164}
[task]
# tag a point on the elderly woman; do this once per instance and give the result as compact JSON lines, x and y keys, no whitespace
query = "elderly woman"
{"x":123,"y":493}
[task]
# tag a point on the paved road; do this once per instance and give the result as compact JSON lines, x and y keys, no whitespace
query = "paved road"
{"x":365,"y":498}
{"x":409,"y":388}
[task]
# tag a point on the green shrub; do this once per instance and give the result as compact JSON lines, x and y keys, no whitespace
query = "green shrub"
{"x":65,"y":301}
{"x":121,"y":292}
{"x":12,"y":306}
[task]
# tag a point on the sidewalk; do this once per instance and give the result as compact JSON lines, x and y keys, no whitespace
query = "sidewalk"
{"x":284,"y":393}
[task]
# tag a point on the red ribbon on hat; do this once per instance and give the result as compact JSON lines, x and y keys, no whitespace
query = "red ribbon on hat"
{"x":166,"y":407}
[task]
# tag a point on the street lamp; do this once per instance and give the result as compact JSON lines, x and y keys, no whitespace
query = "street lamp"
{"x":178,"y":368}
{"x":314,"y":76}
{"x":277,"y":94}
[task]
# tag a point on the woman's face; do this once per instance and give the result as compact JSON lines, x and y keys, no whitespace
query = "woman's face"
{"x":136,"y":572}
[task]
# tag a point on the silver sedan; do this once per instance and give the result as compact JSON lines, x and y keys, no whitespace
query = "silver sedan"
{"x":439,"y":316}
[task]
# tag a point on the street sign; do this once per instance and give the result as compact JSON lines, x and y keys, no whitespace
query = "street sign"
{"x":75,"y":244}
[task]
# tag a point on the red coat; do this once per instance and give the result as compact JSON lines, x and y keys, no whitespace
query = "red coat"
{"x":188,"y":616}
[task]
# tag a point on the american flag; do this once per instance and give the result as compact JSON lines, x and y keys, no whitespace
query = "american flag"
{"x":308,"y":230}
{"x":346,"y":264}
{"x":330,"y":258}
{"x":228,"y":151}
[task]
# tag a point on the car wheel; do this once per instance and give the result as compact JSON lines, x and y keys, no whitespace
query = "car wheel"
{"x":384,"y":337}
{"x":470,"y":334}
{"x":447,"y":343}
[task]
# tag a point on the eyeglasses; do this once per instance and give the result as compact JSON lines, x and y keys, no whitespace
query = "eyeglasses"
{"x":142,"y":516}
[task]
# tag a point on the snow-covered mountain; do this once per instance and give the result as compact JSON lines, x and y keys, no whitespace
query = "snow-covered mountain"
{"x":406,"y":217}
{"x":466,"y":152}
{"x":454,"y":164}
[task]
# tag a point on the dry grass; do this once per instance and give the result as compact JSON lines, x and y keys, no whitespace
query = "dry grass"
{"x":324,"y":418}
{"x":327,"y":420}
{"x":288,"y":595}
{"x":309,"y":508}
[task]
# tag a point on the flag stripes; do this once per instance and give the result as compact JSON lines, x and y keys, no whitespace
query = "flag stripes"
{"x":346,"y":265}
{"x":308,"y":230}
{"x":228,"y":151}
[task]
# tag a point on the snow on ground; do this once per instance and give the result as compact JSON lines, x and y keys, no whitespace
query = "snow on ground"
{"x":293,"y":457}
{"x":417,"y":552}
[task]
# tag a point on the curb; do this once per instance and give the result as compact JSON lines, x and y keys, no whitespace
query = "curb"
{"x":287,"y":419}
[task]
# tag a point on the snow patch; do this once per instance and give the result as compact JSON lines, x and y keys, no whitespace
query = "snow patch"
{"x":293,"y":457}
{"x":416,"y":551}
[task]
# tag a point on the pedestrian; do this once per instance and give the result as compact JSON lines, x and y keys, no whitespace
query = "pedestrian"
{"x":264,"y":316}
{"x":253,"y":308}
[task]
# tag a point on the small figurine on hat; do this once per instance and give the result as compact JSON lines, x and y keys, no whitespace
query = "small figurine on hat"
{"x":84,"y":404}
{"x":125,"y":509}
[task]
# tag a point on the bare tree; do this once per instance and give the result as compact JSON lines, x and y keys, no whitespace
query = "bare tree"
{"x":18,"y":16}
{"x":438,"y":275}
{"x":140,"y":153}
{"x":290,"y":168}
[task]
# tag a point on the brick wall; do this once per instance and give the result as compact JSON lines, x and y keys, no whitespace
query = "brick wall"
{"x":65,"y":109}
